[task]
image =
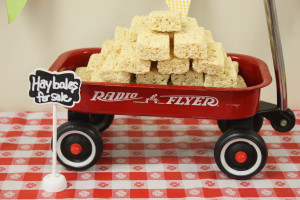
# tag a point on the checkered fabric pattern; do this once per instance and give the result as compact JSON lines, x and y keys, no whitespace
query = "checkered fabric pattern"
{"x":179,"y":5}
{"x":144,"y":157}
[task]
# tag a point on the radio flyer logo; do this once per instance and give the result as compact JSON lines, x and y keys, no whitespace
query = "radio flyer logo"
{"x":55,"y":87}
{"x":185,"y":100}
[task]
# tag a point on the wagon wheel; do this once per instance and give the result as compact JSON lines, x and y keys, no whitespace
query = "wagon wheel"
{"x":100,"y":121}
{"x":79,"y":145}
{"x":286,"y":123}
{"x":240,"y":153}
{"x":225,"y":125}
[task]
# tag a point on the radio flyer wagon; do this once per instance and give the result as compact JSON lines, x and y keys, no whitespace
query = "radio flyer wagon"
{"x":240,"y":152}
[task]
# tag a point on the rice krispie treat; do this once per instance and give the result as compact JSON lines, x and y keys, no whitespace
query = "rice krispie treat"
{"x":240,"y":82}
{"x":123,"y":34}
{"x":236,"y":66}
{"x":226,"y":80}
{"x":191,"y":44}
{"x":208,"y":36}
{"x":190,"y":78}
{"x":116,"y":77}
{"x":107,"y":47}
{"x":139,"y":23}
{"x":173,"y":66}
{"x":111,"y":71}
{"x":188,"y":23}
{"x":110,"y":64}
{"x":153,"y":46}
{"x":96,"y":60}
{"x":129,"y":62}
{"x":95,"y":76}
{"x":83,"y":73}
{"x":152,"y":77}
{"x":165,"y":21}
{"x":111,"y":76}
{"x":214,"y":62}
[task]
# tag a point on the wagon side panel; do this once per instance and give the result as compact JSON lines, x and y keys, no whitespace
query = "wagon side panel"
{"x":104,"y":99}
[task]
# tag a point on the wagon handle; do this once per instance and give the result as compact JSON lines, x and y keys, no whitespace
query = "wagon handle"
{"x":278,"y":61}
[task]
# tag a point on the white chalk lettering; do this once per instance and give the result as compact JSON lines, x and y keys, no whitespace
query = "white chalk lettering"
{"x":35,"y":84}
{"x":60,"y":97}
{"x":73,"y":86}
{"x":55,"y":87}
{"x":39,"y":84}
{"x":42,"y":98}
{"x":66,"y":85}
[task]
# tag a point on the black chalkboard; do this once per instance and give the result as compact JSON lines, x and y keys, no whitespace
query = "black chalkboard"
{"x":55,"y":87}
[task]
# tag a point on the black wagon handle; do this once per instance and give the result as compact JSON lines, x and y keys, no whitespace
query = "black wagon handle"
{"x":278,"y":61}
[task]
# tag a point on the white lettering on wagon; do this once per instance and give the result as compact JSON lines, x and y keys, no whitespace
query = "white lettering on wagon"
{"x":114,"y":96}
{"x":192,"y":100}
{"x":184,"y":100}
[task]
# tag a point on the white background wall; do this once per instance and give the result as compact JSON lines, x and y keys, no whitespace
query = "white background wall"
{"x":47,"y":28}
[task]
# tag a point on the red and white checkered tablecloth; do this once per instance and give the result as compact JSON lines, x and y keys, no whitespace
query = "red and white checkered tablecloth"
{"x":144,"y":157}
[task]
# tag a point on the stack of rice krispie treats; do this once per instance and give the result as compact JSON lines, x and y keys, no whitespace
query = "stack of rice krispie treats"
{"x":163,"y":48}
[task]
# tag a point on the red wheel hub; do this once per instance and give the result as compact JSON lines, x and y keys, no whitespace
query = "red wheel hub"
{"x":241,"y":157}
{"x":75,"y":148}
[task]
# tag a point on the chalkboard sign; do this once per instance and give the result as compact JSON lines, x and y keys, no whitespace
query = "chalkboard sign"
{"x":55,"y":87}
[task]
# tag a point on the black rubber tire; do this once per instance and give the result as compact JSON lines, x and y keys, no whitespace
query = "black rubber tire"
{"x":224,"y":125}
{"x":101,"y":122}
{"x":87,"y":136}
{"x":290,"y":117}
{"x":245,"y":140}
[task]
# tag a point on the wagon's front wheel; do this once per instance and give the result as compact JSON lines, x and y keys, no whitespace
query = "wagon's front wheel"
{"x":79,"y":145}
{"x":240,"y":153}
{"x":285,"y":122}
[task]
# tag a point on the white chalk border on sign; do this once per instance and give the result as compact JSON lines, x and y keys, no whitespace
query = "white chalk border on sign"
{"x":54,"y":73}
{"x":55,"y":182}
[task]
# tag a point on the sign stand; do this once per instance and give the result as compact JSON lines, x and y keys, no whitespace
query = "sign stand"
{"x":54,"y":182}
{"x":55,"y":88}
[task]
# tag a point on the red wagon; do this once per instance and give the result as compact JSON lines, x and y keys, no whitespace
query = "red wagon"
{"x":240,"y":152}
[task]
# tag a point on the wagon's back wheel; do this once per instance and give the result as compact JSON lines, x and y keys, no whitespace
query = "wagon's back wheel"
{"x":225,"y":125}
{"x":79,"y":145}
{"x":240,"y":153}
{"x":102,"y":122}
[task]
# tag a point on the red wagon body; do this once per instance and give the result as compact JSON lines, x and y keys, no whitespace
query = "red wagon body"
{"x":169,"y":100}
{"x":240,"y":153}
